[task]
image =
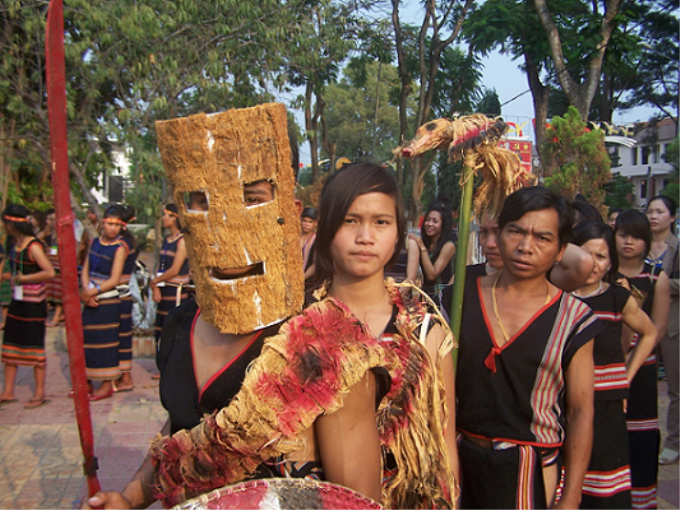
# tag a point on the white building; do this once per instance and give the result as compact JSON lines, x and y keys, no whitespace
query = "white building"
{"x":114,"y":182}
{"x":643,"y":163}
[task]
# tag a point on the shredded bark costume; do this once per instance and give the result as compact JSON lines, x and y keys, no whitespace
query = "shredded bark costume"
{"x":501,"y":169}
{"x":306,"y":371}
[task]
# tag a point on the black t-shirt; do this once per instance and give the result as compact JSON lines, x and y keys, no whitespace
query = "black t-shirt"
{"x":178,"y":389}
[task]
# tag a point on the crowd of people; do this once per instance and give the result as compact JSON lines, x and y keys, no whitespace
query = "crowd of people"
{"x":351,"y":382}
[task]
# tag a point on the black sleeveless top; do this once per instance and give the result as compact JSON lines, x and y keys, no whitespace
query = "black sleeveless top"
{"x":185,"y":402}
{"x":611,"y":381}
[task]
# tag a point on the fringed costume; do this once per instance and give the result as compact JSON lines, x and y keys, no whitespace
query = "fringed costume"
{"x":304,"y":372}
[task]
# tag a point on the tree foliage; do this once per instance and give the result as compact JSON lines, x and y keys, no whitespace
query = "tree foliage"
{"x":579,"y":158}
{"x":617,"y":192}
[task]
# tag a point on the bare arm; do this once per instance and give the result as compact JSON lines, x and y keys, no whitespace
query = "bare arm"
{"x":46,"y":270}
{"x":662,"y":304}
{"x":348,"y":441}
{"x":430,"y":270}
{"x":412,"y":261}
{"x":573,"y":270}
{"x":136,"y":494}
{"x":579,"y":434}
{"x":180,"y":257}
{"x":638,"y":321}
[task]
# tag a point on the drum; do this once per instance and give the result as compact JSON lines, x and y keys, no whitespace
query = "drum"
{"x":279,"y":494}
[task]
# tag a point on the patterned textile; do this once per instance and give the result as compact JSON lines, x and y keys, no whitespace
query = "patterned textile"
{"x":303,"y":372}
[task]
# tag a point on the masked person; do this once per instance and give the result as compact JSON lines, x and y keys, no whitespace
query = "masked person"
{"x":234,"y":185}
{"x":356,"y":377}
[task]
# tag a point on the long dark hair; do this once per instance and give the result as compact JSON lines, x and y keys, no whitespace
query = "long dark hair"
{"x":18,"y":211}
{"x":634,"y":223}
{"x":173,"y":209}
{"x":589,"y":230}
{"x":447,"y":225}
{"x":338,"y":195}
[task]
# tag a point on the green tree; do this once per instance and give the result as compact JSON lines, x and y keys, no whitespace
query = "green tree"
{"x":579,"y":159}
{"x":489,"y":104}
{"x":351,"y":113}
{"x":324,"y":42}
{"x":617,"y":190}
{"x":423,"y":46}
{"x":129,"y":63}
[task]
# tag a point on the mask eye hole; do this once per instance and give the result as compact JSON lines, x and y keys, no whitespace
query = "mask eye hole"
{"x":258,"y":193}
{"x":195,"y":201}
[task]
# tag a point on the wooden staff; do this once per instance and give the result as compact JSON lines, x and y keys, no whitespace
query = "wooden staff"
{"x":56,"y":103}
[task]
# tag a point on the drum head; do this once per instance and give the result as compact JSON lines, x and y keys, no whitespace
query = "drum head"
{"x":279,"y":494}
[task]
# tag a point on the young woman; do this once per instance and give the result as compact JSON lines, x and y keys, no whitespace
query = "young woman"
{"x":24,"y":338}
{"x":48,"y":236}
{"x":607,"y":482}
{"x":661,"y":213}
{"x":307,"y":237}
{"x":321,"y":381}
{"x":652,"y":289}
{"x":169,"y":286}
{"x":435,"y":249}
{"x":125,"y":383}
{"x":101,"y":315}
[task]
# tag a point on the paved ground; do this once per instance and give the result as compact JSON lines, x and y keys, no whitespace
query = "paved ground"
{"x":40,"y":456}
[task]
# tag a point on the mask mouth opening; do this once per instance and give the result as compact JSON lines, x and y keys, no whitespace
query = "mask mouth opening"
{"x":231,"y":274}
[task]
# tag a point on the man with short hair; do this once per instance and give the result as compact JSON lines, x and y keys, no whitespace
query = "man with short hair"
{"x":525,"y":370}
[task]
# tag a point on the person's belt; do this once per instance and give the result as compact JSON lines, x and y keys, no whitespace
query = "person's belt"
{"x":488,"y":444}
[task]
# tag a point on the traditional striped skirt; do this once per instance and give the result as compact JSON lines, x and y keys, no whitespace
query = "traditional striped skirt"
{"x":171,"y":297}
{"x":125,"y":333}
{"x":101,"y":338}
{"x":643,"y":435}
{"x":54,"y":284}
{"x":607,"y":481}
{"x":24,"y":339}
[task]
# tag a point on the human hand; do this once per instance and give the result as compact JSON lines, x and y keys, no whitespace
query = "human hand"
{"x":156,"y":294}
{"x":106,"y":500}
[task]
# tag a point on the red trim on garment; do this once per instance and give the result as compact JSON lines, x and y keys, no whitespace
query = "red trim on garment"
{"x":212,"y":379}
{"x":522,"y":329}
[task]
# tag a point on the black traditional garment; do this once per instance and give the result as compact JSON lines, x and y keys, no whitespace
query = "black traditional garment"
{"x":607,"y":481}
{"x":174,"y":291}
{"x":510,"y":398}
{"x":642,"y":415}
{"x":24,"y":335}
{"x":101,"y":324}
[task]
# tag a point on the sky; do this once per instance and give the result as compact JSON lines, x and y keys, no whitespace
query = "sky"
{"x":503,"y":74}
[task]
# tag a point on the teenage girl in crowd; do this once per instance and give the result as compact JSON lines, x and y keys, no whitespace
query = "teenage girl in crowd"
{"x":24,"y":337}
{"x":48,"y":236}
{"x":607,"y":481}
{"x":307,"y":237}
{"x":125,"y":382}
{"x":652,"y":289}
{"x":169,"y":286}
{"x":664,"y":255}
{"x":434,"y":249}
{"x":101,"y":315}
